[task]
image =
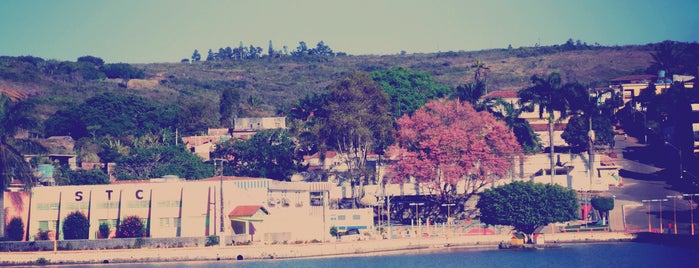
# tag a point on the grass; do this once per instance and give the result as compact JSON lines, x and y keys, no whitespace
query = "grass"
{"x":284,"y":80}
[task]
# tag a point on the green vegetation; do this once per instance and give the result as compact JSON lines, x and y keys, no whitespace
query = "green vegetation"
{"x":603,"y":204}
{"x":15,"y":229}
{"x":131,"y":227}
{"x":267,"y":154}
{"x":76,"y":226}
{"x":526,"y":206}
{"x":408,"y":90}
{"x":212,"y":240}
{"x":104,"y":230}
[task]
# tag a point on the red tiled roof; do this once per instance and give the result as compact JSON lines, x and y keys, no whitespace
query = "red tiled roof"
{"x":328,"y":154}
{"x":230,"y":178}
{"x":545,"y":127}
{"x":246,"y":211}
{"x":505,"y":94}
{"x":636,"y":77}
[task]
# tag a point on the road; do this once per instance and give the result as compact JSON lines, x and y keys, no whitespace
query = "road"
{"x":644,"y":181}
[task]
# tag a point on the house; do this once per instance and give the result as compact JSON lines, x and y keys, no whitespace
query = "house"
{"x":245,"y":127}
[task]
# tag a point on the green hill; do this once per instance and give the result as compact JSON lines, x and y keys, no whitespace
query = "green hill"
{"x":267,"y":84}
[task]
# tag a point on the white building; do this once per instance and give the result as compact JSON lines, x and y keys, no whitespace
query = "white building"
{"x":255,"y":209}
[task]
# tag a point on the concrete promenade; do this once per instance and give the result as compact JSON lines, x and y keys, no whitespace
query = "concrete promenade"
{"x":330,"y":249}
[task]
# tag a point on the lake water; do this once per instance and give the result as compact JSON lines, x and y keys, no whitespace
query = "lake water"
{"x":570,"y":255}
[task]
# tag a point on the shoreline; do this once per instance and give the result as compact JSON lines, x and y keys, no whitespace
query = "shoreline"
{"x":289,"y":251}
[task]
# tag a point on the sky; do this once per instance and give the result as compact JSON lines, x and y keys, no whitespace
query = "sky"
{"x":149,"y":31}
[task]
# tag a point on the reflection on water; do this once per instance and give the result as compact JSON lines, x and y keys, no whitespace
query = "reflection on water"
{"x":571,"y":255}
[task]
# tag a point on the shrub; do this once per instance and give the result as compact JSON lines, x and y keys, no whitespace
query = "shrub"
{"x":131,"y":227}
{"x":104,"y":230}
{"x":212,"y":240}
{"x":333,"y":231}
{"x":15,"y":230}
{"x":42,"y":261}
{"x":43,"y":235}
{"x":76,"y":226}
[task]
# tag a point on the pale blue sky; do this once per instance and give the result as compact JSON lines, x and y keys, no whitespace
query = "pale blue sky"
{"x":144,"y":31}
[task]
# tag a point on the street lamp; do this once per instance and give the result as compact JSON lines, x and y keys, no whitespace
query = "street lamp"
{"x":679,"y":152}
{"x":691,"y":211}
{"x":448,"y":214}
{"x":648,"y":201}
{"x":674,"y":211}
{"x":661,"y":213}
{"x":417,"y":217}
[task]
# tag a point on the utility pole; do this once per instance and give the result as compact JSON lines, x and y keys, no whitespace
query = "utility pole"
{"x":222,"y":230}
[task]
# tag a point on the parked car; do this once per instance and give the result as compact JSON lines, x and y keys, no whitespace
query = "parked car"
{"x":351,"y":234}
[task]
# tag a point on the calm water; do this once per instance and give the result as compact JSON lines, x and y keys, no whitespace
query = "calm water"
{"x":575,"y":255}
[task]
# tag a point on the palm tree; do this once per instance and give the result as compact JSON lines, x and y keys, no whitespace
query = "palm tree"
{"x":481,"y":74}
{"x":14,"y":111}
{"x":508,"y":113}
{"x":548,"y":94}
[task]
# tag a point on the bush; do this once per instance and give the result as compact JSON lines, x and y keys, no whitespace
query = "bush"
{"x":104,"y":230}
{"x":212,"y":240}
{"x":15,"y":230}
{"x":131,"y":227}
{"x":333,"y":231}
{"x":43,"y":235}
{"x":76,"y":226}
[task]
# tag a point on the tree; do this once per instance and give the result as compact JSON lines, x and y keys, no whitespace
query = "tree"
{"x":267,"y":154}
{"x":548,"y":96}
{"x":122,"y":70}
{"x":111,"y":114}
{"x":15,"y":229}
{"x":210,"y":56}
{"x":526,"y":206}
{"x":131,"y":227}
{"x":76,"y":226}
{"x":408,"y":90}
{"x":448,"y":142}
{"x":91,"y":59}
{"x":228,"y":108}
{"x":357,"y":122}
{"x":196,"y":56}
{"x":603,"y":204}
{"x":85,"y":177}
{"x":270,"y":49}
{"x":104,"y":230}
{"x":481,"y":74}
{"x":15,"y":115}
{"x":576,"y":133}
{"x":157,"y":160}
{"x":195,"y":115}
{"x":526,"y":136}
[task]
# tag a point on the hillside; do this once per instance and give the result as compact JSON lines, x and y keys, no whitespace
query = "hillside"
{"x":270,"y":83}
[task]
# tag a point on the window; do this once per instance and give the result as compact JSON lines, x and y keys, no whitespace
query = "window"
{"x":43,"y":225}
{"x":110,"y":222}
{"x":164,"y":222}
{"x":356,"y":217}
{"x":341,"y":217}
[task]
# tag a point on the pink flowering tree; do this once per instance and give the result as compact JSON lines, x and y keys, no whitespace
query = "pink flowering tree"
{"x":447,"y":144}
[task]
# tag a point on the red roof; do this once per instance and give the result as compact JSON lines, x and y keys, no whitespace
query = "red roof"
{"x":637,"y":77}
{"x":545,"y":127}
{"x":505,"y":94}
{"x":230,"y":178}
{"x":246,"y":211}
{"x":328,"y":154}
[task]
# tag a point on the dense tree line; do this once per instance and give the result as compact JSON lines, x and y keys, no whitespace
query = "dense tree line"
{"x":321,"y":52}
{"x":29,"y":69}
